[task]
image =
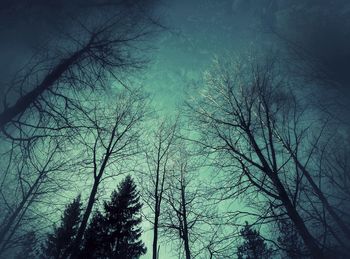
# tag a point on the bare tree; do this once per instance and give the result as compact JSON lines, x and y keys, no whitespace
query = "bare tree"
{"x":29,"y":176}
{"x":108,"y":146}
{"x":96,"y":50}
{"x":45,"y":103}
{"x":239,"y":110}
{"x":99,"y":55}
{"x":298,"y":152}
{"x":158,"y":156}
{"x":185,"y":205}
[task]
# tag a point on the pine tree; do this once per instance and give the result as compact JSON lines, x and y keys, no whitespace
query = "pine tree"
{"x":117,"y":233}
{"x":254,"y":246}
{"x":94,"y":243}
{"x":61,"y":238}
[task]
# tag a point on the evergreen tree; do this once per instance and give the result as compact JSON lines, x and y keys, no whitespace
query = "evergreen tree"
{"x":254,"y":246}
{"x":94,"y":243}
{"x":61,"y":238}
{"x":117,"y":233}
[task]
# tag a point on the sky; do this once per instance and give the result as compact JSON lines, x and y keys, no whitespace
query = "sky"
{"x":198,"y":31}
{"x":202,"y":30}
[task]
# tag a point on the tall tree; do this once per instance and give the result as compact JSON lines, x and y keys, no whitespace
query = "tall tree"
{"x":158,"y":156}
{"x":113,"y":139}
{"x":117,"y":233}
{"x":254,"y":246}
{"x":238,"y":116}
{"x":185,"y":206}
{"x":60,"y":240}
{"x":89,"y":44}
{"x":28,"y":177}
{"x":100,"y":47}
{"x":94,"y":243}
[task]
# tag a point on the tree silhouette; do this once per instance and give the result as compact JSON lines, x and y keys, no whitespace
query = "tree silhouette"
{"x":115,"y":137}
{"x":254,"y":246}
{"x":158,"y":155}
{"x":94,"y":245}
{"x":60,"y":240}
{"x":243,"y":115}
{"x":28,"y":246}
{"x":290,"y":240}
{"x":116,"y":233}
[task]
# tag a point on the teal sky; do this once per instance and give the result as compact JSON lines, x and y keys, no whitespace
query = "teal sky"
{"x":199,"y":31}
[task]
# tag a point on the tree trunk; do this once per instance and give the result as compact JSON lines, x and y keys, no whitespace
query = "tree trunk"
{"x":344,"y":227}
{"x":308,"y":239}
{"x":155,"y":236}
{"x":185,"y":230}
{"x":157,"y":206}
{"x":7,"y":223}
{"x":25,"y":101}
{"x":293,"y":214}
{"x":75,"y":248}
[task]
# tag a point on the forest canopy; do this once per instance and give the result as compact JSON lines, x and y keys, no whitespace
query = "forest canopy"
{"x":174,"y":129}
